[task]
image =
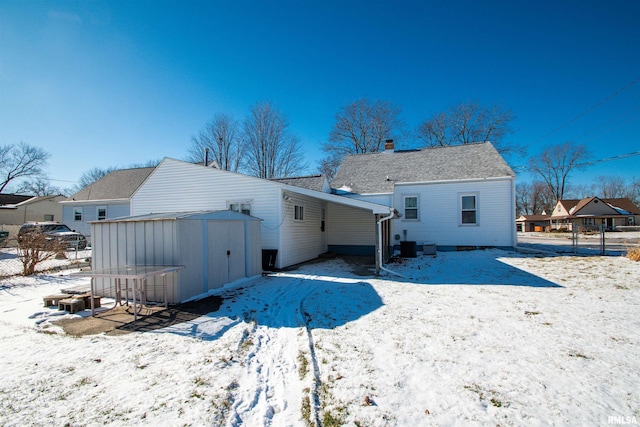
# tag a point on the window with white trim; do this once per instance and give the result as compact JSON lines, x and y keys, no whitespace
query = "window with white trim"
{"x":101,"y":213}
{"x":410,"y":207}
{"x":468,"y":209}
{"x":298,"y":213}
{"x":77,"y":214}
{"x":242,"y":207}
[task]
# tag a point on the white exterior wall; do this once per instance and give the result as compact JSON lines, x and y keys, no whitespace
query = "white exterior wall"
{"x":131,"y":243}
{"x":177,"y":186}
{"x":90,"y":213}
{"x":200,"y":246}
{"x":440,"y":212}
{"x":301,"y":240}
{"x":381,"y":199}
{"x":350,"y":226}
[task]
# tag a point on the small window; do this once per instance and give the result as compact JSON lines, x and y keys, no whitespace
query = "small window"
{"x":48,"y":217}
{"x":242,"y":207}
{"x":102,"y":213}
{"x":298,"y":213}
{"x":469,"y":210}
{"x":411,"y":207}
{"x":77,"y":214}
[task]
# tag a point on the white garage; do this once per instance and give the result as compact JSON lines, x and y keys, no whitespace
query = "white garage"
{"x":214,"y":248}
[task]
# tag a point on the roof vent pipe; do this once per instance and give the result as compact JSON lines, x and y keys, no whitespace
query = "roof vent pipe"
{"x":206,"y":156}
{"x":388,"y":146}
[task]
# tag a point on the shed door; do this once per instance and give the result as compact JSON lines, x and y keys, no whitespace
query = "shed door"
{"x":225,"y":252}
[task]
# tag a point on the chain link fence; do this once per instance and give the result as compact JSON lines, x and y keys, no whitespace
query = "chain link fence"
{"x":12,"y":261}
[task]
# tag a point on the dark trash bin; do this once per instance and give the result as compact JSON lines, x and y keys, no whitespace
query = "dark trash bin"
{"x":408,"y":250}
{"x":269,"y":259}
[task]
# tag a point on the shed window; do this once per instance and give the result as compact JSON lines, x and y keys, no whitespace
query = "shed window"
{"x":411,"y":207}
{"x":469,"y":213}
{"x":77,"y":214}
{"x":102,"y":213}
{"x":298,"y":213}
{"x":48,"y":217}
{"x":242,"y":207}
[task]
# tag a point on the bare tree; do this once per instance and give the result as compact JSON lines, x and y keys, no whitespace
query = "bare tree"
{"x":91,"y":176}
{"x":534,"y":199}
{"x":272,"y":151}
{"x":523,"y":199}
{"x":38,"y":187}
{"x":21,"y":161}
{"x":611,"y":187}
{"x":468,"y":123}
{"x":362,"y":126}
{"x":555,"y":164}
{"x":35,"y":247}
{"x":633,"y":191}
{"x":220,"y":137}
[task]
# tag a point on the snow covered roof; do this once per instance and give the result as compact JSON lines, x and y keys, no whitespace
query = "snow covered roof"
{"x":119,"y":184}
{"x":378,"y":172}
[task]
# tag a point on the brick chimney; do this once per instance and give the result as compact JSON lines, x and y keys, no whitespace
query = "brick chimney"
{"x":388,"y":146}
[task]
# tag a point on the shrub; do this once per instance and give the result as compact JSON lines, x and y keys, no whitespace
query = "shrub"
{"x":36,"y":247}
{"x":633,"y":253}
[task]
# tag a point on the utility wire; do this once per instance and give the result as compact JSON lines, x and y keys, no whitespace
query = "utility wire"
{"x":579,"y":116}
{"x":525,"y":168}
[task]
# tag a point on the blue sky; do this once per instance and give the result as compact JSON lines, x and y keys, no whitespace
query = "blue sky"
{"x":101,"y":84}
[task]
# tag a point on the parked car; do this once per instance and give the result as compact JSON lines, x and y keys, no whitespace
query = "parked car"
{"x":54,"y":231}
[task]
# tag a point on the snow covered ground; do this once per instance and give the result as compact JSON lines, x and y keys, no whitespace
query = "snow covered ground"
{"x":467,"y":338}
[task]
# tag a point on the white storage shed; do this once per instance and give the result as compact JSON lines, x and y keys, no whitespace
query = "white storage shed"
{"x":215,"y":248}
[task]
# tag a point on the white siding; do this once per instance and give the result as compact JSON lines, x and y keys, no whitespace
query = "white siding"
{"x":177,"y":186}
{"x":200,"y":246}
{"x":381,"y":199}
{"x":301,"y":240}
{"x":350,"y":226}
{"x":90,"y":213}
{"x":136,"y":243}
{"x":439,"y":214}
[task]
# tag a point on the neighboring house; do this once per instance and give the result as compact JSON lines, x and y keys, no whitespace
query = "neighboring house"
{"x":17,"y":209}
{"x":299,"y":223}
{"x":107,"y":198}
{"x":457,"y":197}
{"x":530,"y":223}
{"x":594,"y":212}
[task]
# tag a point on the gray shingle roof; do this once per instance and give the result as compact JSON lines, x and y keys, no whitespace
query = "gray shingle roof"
{"x":378,"y":172}
{"x":120,"y":184}
{"x":313,"y":182}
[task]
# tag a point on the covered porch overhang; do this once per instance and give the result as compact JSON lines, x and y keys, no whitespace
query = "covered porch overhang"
{"x":382,"y":214}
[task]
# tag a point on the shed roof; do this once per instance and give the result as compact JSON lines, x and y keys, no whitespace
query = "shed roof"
{"x":379,"y":172}
{"x":225,"y":215}
{"x":119,"y":184}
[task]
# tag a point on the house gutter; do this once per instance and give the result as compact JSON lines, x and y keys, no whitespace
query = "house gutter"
{"x":391,"y":215}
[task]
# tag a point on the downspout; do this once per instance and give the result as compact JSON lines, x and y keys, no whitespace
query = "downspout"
{"x":380,"y":266}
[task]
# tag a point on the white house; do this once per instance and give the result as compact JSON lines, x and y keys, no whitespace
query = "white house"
{"x":299,"y":222}
{"x":107,"y":198}
{"x":456,"y":196}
